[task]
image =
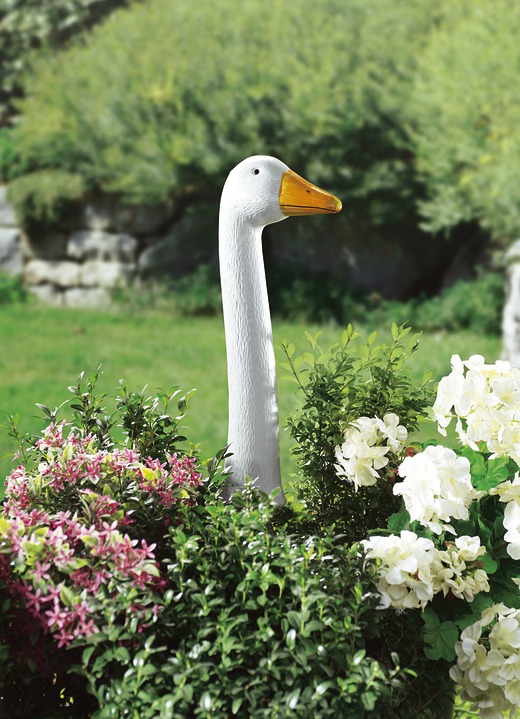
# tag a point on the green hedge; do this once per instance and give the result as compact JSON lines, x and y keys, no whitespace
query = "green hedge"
{"x":161,"y":101}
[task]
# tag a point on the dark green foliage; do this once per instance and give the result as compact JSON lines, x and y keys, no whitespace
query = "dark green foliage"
{"x":257,"y":623}
{"x":198,"y":294}
{"x":298,"y":295}
{"x":468,"y":305}
{"x":148,"y":422}
{"x":43,"y":198}
{"x":476,"y":305}
{"x":347,"y":381}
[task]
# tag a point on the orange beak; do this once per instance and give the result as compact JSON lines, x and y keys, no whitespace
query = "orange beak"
{"x":299,"y":197}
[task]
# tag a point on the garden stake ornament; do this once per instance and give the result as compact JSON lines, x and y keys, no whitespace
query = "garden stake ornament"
{"x":259,"y":191}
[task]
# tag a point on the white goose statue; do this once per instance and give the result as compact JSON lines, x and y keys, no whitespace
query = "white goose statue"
{"x":259,"y":191}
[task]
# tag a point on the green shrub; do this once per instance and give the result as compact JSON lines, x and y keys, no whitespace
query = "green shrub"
{"x":475,"y":305}
{"x":466,"y":118}
{"x":117,"y":557}
{"x":11,"y":165}
{"x":29,"y":24}
{"x":469,"y":304}
{"x":45,"y":197}
{"x":12,"y":290}
{"x":213,"y":85}
{"x":194,"y":295}
{"x":296,"y":294}
{"x":197,"y":294}
{"x":351,"y":379}
{"x":257,"y":623}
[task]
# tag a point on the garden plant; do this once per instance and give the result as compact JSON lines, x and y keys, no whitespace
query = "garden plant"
{"x":129,"y":588}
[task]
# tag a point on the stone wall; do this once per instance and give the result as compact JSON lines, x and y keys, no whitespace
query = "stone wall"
{"x":104,"y":246}
{"x":11,"y":253}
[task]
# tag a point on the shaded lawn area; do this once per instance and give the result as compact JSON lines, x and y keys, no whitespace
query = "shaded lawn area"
{"x":43,"y":350}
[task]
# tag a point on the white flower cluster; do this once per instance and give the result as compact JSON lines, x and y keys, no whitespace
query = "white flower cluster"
{"x":412,"y":570}
{"x":405,"y":579}
{"x":488,"y":667}
{"x":510,"y":492}
{"x":436,"y":488}
{"x":485,"y":399}
{"x":367,"y":443}
{"x":458,"y":572}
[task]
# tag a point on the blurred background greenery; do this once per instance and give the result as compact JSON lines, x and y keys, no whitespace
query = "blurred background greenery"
{"x":408,"y":110}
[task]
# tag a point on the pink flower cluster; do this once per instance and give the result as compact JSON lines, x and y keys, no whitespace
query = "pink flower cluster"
{"x":169,"y":482}
{"x":75,"y":570}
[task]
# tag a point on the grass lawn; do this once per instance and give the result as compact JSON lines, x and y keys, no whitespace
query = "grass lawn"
{"x":44,"y":349}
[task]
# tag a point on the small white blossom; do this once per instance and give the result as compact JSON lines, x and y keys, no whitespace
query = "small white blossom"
{"x":512,"y":525}
{"x":488,"y":662}
{"x":510,"y":492}
{"x":364,"y":451}
{"x":485,"y":401}
{"x":436,"y":488}
{"x":459,"y":572}
{"x":408,"y":564}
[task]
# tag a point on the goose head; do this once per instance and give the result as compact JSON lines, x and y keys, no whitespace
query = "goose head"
{"x":263,"y":190}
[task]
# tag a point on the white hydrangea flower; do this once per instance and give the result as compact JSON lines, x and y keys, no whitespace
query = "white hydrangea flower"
{"x":512,"y":525}
{"x":367,"y":443}
{"x":436,"y":487}
{"x":510,"y":492}
{"x":408,"y":565}
{"x":485,"y":400}
{"x":488,"y":662}
{"x":459,"y":572}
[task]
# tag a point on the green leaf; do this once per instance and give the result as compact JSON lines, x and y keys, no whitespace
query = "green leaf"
{"x":292,"y":699}
{"x":398,"y":521}
{"x":439,"y":637}
{"x":477,"y":466}
{"x":496,"y":472}
{"x":489,"y":565}
{"x":237,"y":703}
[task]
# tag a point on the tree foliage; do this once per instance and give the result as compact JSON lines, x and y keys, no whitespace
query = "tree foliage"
{"x":26,"y":25}
{"x":408,"y":110}
{"x":466,"y":118}
{"x":321,"y":84}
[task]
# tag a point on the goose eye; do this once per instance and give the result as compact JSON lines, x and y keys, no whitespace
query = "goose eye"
{"x":256,"y":171}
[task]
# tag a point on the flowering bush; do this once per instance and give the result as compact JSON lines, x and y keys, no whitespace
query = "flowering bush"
{"x":488,"y":663}
{"x":448,"y":544}
{"x":80,"y":534}
{"x":367,"y":443}
{"x":128,"y":588}
{"x":123,"y":573}
{"x":77,"y":568}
